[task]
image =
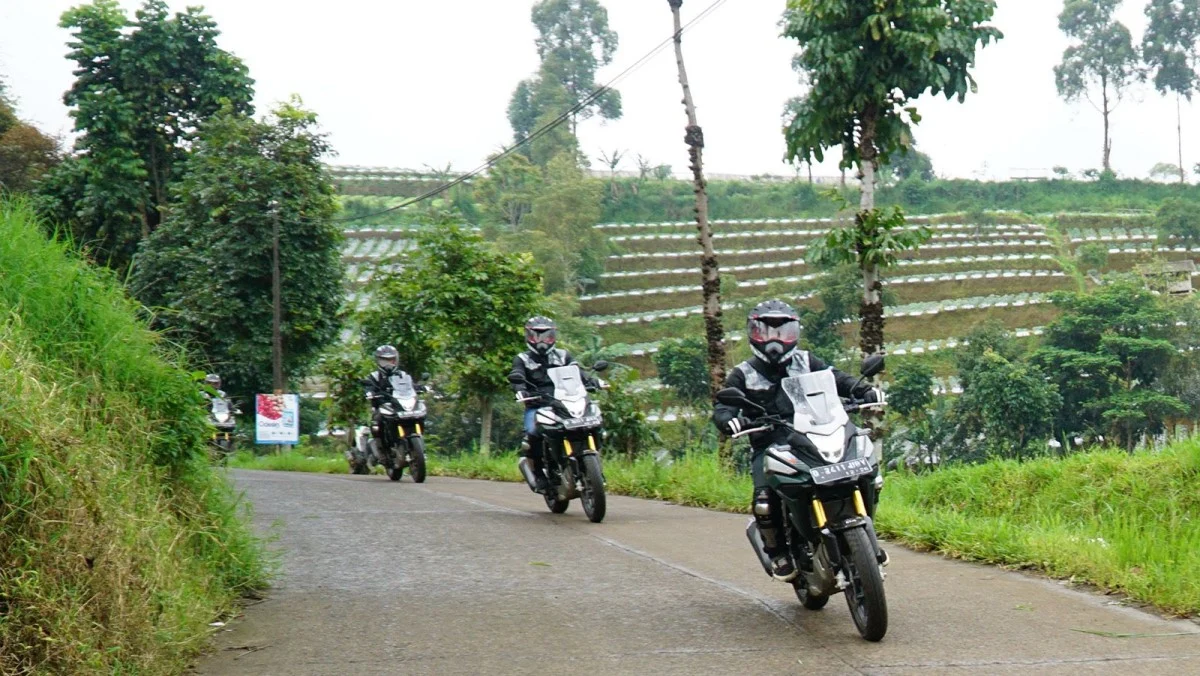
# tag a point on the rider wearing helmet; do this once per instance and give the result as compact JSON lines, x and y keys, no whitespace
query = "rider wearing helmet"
{"x":529,"y":373}
{"x":773,"y":329}
{"x":379,"y":389}
{"x":213,"y":381}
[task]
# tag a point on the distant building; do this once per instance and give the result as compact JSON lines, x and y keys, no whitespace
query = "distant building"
{"x":1177,"y":275}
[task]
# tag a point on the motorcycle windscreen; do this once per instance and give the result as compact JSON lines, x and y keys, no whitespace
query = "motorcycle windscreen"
{"x":815,"y":395}
{"x":569,"y":388}
{"x":402,"y":387}
{"x":219,"y":405}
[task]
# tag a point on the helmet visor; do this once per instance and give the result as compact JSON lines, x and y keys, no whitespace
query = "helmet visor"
{"x":387,"y":362}
{"x":782,"y":329}
{"x":541,"y":336}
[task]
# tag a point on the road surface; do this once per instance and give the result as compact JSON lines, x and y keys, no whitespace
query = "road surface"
{"x":471,"y":577}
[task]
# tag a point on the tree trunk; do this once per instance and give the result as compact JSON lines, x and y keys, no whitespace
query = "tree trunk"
{"x":871,"y":309}
{"x":1179,"y":137}
{"x":810,"y":178}
{"x":276,"y":308}
{"x":709,"y":270}
{"x":1107,"y":141}
{"x":485,"y":428}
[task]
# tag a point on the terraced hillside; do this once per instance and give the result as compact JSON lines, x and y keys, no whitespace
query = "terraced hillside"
{"x":998,"y":266}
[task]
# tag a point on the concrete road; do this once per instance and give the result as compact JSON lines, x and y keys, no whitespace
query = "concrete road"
{"x":470,"y":577}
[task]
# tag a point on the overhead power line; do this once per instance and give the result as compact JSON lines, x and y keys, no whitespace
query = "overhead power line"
{"x":549,"y":126}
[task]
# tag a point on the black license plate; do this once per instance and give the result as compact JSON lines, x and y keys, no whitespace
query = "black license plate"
{"x":589,"y":421}
{"x":843,"y":470}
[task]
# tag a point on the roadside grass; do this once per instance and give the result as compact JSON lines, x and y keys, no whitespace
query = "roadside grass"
{"x":119,"y":544}
{"x":292,"y":461}
{"x":1121,"y":522}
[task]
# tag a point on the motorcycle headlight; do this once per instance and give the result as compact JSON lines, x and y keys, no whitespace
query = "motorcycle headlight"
{"x":387,"y":409}
{"x":221,"y":417}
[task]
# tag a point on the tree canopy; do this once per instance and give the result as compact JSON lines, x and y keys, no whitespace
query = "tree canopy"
{"x":143,"y":88}
{"x":207,"y":269}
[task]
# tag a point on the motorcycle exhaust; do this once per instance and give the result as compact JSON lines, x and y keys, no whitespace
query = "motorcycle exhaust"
{"x":756,"y":542}
{"x":526,"y":467}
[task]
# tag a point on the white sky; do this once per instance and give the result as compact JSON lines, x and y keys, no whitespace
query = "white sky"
{"x":408,"y":83}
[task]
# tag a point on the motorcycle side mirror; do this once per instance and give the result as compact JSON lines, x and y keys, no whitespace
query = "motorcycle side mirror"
{"x":516,"y":379}
{"x":731,"y":396}
{"x":425,"y":376}
{"x":872,"y":366}
{"x":600,"y":366}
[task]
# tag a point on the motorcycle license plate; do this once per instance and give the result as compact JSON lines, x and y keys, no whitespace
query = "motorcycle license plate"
{"x":843,"y":470}
{"x":587,"y":421}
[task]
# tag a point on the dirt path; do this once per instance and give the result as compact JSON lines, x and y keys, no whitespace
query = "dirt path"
{"x":469,"y":577}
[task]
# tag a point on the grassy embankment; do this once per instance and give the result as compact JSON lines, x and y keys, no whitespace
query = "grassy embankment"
{"x":1118,"y":521}
{"x":118,"y":542}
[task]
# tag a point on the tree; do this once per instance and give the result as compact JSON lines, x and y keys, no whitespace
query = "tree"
{"x":710,"y":274}
{"x":1093,"y":255}
{"x":469,"y":302}
{"x":1102,"y":59}
{"x":911,"y":388}
{"x":1178,"y":219}
{"x":1165,"y":170}
{"x":1169,"y":48}
{"x":573,"y":42}
{"x":508,"y":190}
{"x":911,"y":163}
{"x":26,"y":154}
{"x":625,"y":424}
{"x":612,"y":161}
{"x":208,"y":269}
{"x":1106,"y":354}
{"x":681,"y":367}
{"x":142,"y":90}
{"x":559,"y":228}
{"x":1013,"y":400}
{"x":865,"y":63}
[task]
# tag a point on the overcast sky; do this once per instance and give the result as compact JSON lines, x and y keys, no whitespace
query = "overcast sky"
{"x":410,"y":83}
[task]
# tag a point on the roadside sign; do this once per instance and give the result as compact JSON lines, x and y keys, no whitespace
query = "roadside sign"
{"x":277,"y":419}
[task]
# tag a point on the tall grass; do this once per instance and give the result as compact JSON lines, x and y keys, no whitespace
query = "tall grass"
{"x":118,"y":542}
{"x":1130,"y":523}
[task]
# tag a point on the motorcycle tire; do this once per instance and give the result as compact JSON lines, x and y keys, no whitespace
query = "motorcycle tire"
{"x":593,"y":498}
{"x":864,"y":595}
{"x":416,"y":449}
{"x":809,"y":600}
{"x":554,"y":504}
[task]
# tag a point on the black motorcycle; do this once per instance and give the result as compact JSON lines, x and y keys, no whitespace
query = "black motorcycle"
{"x":571,"y":426}
{"x":221,"y":419}
{"x":398,"y":440}
{"x":827,"y":476}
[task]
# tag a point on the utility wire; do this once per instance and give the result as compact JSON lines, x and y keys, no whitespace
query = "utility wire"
{"x":549,"y":126}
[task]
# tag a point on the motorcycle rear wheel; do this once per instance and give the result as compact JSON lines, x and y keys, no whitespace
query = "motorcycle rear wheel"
{"x":864,"y":595}
{"x":593,"y":498}
{"x":394,"y":473}
{"x":416,"y":448}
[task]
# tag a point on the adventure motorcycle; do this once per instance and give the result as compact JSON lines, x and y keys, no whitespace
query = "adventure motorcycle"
{"x":570,"y":423}
{"x":220,"y":417}
{"x":398,"y":439}
{"x":828,"y":479}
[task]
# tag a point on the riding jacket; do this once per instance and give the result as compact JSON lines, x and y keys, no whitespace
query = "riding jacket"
{"x":532,"y":366}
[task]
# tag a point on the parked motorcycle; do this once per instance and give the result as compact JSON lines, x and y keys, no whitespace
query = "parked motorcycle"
{"x":570,"y":423}
{"x":398,"y":440}
{"x":828,"y":478}
{"x":220,"y":417}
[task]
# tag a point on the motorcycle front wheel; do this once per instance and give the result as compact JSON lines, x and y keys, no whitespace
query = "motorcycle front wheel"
{"x":593,"y":498}
{"x":416,"y":448}
{"x":864,"y":595}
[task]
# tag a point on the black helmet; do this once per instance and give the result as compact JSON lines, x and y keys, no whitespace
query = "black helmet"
{"x":540,"y":334}
{"x":387,"y":358}
{"x":213,"y":380}
{"x":773,"y":329}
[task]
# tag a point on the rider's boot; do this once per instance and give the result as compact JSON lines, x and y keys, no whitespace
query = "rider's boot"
{"x":782,"y":566}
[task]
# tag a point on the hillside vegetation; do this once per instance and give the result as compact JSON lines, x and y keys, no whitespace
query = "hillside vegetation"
{"x":118,"y":542}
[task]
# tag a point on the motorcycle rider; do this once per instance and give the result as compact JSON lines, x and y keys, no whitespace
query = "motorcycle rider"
{"x":379,"y":390}
{"x":529,"y":369}
{"x":214,"y":381}
{"x":773,"y":330}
